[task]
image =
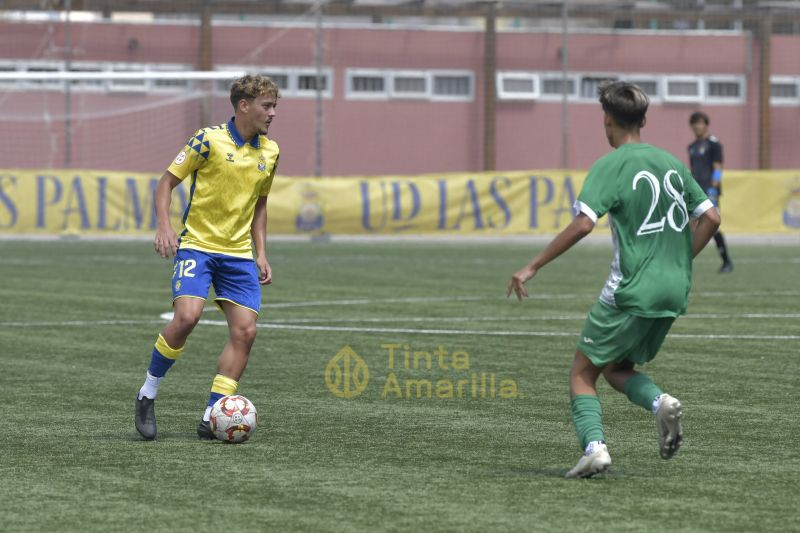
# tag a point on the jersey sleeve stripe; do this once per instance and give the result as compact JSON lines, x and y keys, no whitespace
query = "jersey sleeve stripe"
{"x":702,"y":208}
{"x":581,"y":207}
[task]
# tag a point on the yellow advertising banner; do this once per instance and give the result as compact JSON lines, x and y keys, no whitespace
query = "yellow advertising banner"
{"x":94,"y":203}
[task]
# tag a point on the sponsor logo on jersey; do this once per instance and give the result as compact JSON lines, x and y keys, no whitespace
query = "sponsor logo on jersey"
{"x":180,"y":158}
{"x":230,"y":157}
{"x":588,"y":340}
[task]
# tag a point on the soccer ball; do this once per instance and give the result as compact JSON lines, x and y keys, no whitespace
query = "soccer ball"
{"x":233,"y":419}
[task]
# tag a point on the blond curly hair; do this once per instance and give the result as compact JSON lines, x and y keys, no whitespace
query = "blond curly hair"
{"x":251,"y":86}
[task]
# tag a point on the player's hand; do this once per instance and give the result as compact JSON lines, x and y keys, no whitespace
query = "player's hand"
{"x":166,"y":242}
{"x":264,"y":271}
{"x":517,"y":282}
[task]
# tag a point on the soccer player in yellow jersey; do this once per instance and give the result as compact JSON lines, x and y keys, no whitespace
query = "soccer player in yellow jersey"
{"x":231,"y":167}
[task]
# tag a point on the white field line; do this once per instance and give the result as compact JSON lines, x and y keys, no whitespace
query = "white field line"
{"x":464,"y":332}
{"x":298,"y":322}
{"x":368,"y":320}
{"x":468,"y":332}
{"x":368,"y":301}
{"x":305,"y":323}
{"x":532,"y":296}
{"x":78,"y":323}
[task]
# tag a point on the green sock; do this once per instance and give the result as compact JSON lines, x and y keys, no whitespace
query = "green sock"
{"x":588,"y":419}
{"x":641,"y":390}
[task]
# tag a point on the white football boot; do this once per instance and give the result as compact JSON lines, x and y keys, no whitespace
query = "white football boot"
{"x":591,"y":464}
{"x":670,"y":430}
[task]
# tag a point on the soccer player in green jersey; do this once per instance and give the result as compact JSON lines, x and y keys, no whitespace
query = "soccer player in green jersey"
{"x":223,"y":242}
{"x":650,"y":198}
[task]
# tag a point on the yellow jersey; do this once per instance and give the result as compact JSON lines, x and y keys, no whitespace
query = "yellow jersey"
{"x":228,"y":176}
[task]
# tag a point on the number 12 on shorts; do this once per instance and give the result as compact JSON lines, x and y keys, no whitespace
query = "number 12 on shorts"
{"x":184,"y":268}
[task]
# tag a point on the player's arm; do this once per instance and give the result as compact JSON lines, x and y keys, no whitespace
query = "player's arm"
{"x":716,"y":163}
{"x":166,"y":241}
{"x":707,"y":226}
{"x":579,"y":228}
{"x":258,"y":230}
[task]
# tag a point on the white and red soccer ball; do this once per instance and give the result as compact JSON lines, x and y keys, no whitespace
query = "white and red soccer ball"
{"x":233,"y":419}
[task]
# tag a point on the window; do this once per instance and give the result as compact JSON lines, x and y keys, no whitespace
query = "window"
{"x":649,"y":86}
{"x":6,"y":68}
{"x":281,"y":79}
{"x":170,"y":84}
{"x":590,"y":85}
{"x":366,"y":84}
{"x":409,"y":84}
{"x":291,"y":81}
{"x":517,"y":86}
{"x":555,"y":85}
{"x":784,"y":90}
{"x":93,"y":83}
{"x":683,"y":89}
{"x":276,"y":74}
{"x":311,"y":82}
{"x":373,"y":84}
{"x":46,"y":83}
{"x":307,"y":82}
{"x":131,"y":84}
{"x":725,"y":89}
{"x":452,"y":86}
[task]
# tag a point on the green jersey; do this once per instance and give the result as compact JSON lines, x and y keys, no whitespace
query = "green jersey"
{"x":650,"y":197}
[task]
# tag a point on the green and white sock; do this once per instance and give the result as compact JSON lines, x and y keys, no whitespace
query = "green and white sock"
{"x":587,"y":416}
{"x":594,"y":446}
{"x":641,"y":390}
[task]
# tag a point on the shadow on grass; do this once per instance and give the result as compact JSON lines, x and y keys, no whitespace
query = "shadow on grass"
{"x":553,"y":472}
{"x":169,"y":436}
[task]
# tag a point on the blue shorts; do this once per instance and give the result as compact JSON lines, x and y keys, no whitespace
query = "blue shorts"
{"x":235,"y":279}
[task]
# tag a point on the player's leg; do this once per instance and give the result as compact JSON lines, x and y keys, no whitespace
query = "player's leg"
{"x":239,"y":297}
{"x":722,"y":248}
{"x":727,"y":264}
{"x":638,"y":387}
{"x":587,"y":418}
{"x":641,"y":390}
{"x":233,"y":359}
{"x":190,"y":283}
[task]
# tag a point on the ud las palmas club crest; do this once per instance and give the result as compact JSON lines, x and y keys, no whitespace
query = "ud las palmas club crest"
{"x":346,"y":374}
{"x":791,"y":213}
{"x":309,"y":215}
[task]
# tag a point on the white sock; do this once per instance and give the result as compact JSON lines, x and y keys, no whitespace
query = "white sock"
{"x":207,"y":415}
{"x":594,"y":446}
{"x":150,"y":387}
{"x":656,"y":402}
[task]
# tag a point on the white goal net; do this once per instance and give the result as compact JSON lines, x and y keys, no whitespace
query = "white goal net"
{"x":105,"y":120}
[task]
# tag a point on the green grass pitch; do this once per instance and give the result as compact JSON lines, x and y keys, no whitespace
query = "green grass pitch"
{"x":78,"y":321}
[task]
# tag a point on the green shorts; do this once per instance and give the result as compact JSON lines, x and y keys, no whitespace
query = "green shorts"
{"x":612,"y":336}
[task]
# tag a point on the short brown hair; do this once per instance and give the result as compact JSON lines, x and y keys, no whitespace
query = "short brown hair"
{"x":626,"y":103}
{"x":251,"y":86}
